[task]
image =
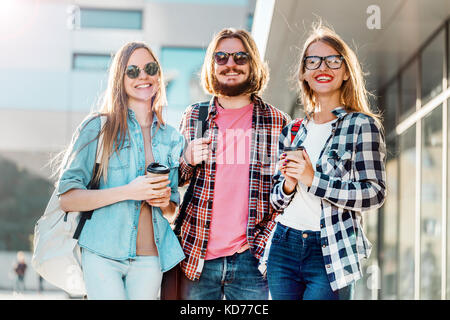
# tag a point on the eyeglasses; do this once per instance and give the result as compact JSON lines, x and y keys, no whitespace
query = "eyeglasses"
{"x":240,"y":58}
{"x":314,"y":62}
{"x":150,"y":68}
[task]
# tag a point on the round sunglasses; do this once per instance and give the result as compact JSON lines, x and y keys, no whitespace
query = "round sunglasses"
{"x":150,"y":68}
{"x":332,"y":62}
{"x":240,"y":58}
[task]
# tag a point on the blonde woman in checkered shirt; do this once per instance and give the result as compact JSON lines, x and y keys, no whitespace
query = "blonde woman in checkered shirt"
{"x":318,"y":242}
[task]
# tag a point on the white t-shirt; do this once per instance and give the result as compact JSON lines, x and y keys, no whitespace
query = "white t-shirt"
{"x":304,"y":211}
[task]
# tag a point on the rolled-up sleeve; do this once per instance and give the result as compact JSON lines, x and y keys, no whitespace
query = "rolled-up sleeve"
{"x":79,"y":160}
{"x":278,"y":198}
{"x":176,"y":154}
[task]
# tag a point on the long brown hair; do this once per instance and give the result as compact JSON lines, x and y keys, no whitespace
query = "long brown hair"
{"x":114,"y":106}
{"x":259,"y":72}
{"x":354,"y":96}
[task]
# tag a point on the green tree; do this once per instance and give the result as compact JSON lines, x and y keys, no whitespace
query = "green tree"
{"x":23,"y":198}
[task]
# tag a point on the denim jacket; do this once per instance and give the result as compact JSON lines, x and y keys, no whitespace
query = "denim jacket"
{"x":112,"y":230}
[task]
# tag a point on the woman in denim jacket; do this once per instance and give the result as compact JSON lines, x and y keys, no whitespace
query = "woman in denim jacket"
{"x":318,"y":243}
{"x":128,"y":243}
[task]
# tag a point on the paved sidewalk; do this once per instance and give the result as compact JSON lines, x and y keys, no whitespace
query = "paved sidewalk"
{"x":33,"y":295}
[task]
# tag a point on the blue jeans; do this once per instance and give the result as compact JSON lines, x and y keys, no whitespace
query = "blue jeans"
{"x":296,"y":270}
{"x":234,"y":277}
{"x":134,"y":279}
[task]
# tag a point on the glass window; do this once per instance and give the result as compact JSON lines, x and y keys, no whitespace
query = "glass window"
{"x":182,"y":68}
{"x":208,"y":2}
{"x":408,"y":90}
{"x":432,"y":65}
{"x":368,"y":286}
{"x":390,"y":106}
{"x":390,"y":226}
{"x":110,"y":19}
{"x":249,"y":23}
{"x":84,"y":61}
{"x":448,"y":204}
{"x":431,"y":206}
{"x":407,"y":196}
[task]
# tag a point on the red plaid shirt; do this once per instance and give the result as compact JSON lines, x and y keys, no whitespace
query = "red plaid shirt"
{"x":267,"y":123}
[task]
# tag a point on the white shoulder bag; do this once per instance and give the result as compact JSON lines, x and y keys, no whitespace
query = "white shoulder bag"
{"x":56,"y":254}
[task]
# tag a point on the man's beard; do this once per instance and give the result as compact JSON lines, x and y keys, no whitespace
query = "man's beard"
{"x":230,"y":90}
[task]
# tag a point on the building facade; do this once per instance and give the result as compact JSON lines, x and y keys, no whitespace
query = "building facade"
{"x":55,"y":55}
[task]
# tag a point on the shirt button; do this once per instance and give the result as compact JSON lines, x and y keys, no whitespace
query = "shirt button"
{"x":328,"y":266}
{"x":324,"y":246}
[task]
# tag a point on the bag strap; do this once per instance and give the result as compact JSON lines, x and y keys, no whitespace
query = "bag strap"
{"x":201,"y":127}
{"x":295,"y":128}
{"x":92,"y":184}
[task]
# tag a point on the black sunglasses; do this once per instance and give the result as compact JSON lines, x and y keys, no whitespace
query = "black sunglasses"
{"x":240,"y":58}
{"x":332,"y":62}
{"x":150,"y":68}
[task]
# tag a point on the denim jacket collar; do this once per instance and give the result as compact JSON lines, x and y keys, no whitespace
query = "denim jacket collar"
{"x":155,"y":120}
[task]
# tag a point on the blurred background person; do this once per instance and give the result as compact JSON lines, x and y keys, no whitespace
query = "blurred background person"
{"x":20,"y":268}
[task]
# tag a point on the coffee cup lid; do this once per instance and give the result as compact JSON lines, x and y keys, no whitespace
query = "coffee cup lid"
{"x":158,"y":168}
{"x":293,"y":148}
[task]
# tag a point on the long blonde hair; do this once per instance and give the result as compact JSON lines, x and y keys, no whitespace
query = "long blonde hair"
{"x":114,"y":107}
{"x":259,"y":72}
{"x":354,"y":96}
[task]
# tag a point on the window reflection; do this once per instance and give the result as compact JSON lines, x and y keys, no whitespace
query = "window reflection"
{"x":390,"y":106}
{"x":432,"y":65}
{"x":407,"y":196}
{"x":110,"y":19}
{"x":182,"y":68}
{"x":448,"y":204}
{"x":84,"y":61}
{"x":408,"y":90}
{"x":390,"y":226}
{"x":431,"y":202}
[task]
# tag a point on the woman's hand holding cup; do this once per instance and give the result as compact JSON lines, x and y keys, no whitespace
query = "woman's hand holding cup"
{"x":295,"y":166}
{"x":146,"y":187}
{"x":158,"y":176}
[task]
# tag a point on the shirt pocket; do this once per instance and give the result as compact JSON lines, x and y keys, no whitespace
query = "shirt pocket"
{"x":120,"y":159}
{"x":339,"y":163}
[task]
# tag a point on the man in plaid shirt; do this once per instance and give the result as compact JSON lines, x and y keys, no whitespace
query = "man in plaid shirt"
{"x":229,"y":218}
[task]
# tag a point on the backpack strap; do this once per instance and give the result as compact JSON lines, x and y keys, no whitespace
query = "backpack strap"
{"x":201,"y":128}
{"x":295,"y":128}
{"x":92,"y":185}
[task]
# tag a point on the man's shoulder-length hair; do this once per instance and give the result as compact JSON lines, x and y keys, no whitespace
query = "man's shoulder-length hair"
{"x":259,"y":71}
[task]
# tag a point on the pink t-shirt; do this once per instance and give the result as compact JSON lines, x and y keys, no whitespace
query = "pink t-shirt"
{"x":231,"y":187}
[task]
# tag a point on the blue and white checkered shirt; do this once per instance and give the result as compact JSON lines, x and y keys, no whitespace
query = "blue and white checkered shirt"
{"x":349,"y":178}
